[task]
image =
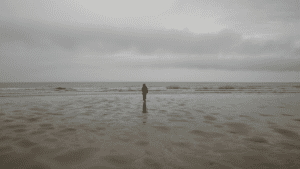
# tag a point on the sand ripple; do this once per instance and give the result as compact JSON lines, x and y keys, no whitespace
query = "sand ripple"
{"x":26,"y":143}
{"x":175,"y":131}
{"x":75,"y":156}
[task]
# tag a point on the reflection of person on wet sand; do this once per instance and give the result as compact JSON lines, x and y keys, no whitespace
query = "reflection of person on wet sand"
{"x":145,"y":91}
{"x":145,"y":119}
{"x":144,"y":107}
{"x":145,"y":111}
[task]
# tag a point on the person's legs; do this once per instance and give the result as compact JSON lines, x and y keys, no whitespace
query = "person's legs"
{"x":144,"y":97}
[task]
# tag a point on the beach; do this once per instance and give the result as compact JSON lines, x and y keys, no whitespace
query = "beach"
{"x":170,"y":130}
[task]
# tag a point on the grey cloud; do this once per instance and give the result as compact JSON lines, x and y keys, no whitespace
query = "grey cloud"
{"x":257,"y":64}
{"x":114,"y":40}
{"x":284,"y":10}
{"x":259,"y":11}
{"x":281,"y":46}
{"x":66,"y":40}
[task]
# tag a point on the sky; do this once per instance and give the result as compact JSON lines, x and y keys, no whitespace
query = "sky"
{"x":150,"y":40}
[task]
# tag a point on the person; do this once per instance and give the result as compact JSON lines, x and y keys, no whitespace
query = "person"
{"x":145,"y":91}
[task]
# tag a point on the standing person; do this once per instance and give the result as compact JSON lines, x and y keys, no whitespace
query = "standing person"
{"x":145,"y":91}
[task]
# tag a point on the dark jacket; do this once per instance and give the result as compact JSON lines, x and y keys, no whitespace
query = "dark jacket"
{"x":144,"y":89}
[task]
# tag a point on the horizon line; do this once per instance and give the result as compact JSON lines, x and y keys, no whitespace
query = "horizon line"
{"x":147,"y":82}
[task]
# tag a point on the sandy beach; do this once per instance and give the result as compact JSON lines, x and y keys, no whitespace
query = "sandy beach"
{"x":106,"y":131}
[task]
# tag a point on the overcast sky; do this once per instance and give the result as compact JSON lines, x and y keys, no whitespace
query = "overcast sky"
{"x":150,"y":40}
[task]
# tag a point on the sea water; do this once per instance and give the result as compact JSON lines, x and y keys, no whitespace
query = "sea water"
{"x":91,"y":87}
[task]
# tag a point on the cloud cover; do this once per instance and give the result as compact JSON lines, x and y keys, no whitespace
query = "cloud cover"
{"x":260,"y":36}
{"x":252,"y":10}
{"x":42,"y":43}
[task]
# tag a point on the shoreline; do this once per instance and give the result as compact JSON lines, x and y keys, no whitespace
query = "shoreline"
{"x":139,"y":93}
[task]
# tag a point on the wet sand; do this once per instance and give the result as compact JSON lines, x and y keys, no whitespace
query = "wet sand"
{"x":168,"y":131}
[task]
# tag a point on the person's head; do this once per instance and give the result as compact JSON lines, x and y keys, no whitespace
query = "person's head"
{"x":144,"y":84}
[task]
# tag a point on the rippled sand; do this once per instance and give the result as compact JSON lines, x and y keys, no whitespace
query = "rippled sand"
{"x":169,"y":131}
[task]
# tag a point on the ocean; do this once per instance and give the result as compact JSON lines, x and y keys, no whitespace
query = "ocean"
{"x":94,"y":87}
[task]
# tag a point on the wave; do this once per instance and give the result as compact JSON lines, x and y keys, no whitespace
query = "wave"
{"x":64,"y":89}
{"x":177,"y":87}
{"x":203,"y":89}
